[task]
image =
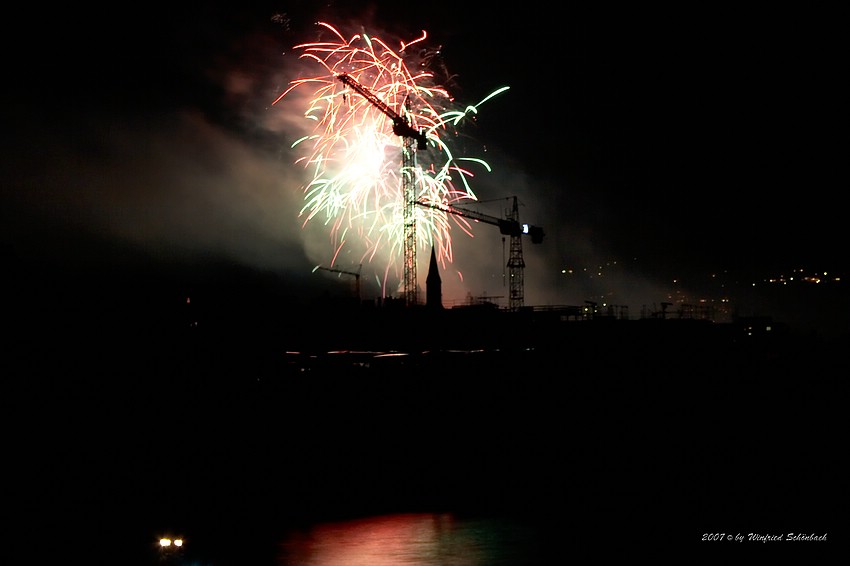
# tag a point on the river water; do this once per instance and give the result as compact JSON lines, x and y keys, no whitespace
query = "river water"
{"x":423,"y":458}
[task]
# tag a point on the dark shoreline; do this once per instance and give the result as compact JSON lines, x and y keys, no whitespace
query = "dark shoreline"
{"x":587,"y":427}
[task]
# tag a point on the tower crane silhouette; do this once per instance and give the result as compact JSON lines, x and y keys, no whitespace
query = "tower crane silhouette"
{"x":344,"y":272}
{"x":508,"y":226}
{"x":409,"y":134}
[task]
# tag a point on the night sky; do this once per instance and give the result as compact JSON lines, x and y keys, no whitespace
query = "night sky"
{"x":666,"y":152}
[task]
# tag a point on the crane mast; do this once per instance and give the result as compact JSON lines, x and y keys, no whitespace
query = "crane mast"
{"x":402,"y":128}
{"x":516,"y":264}
{"x":408,"y":187}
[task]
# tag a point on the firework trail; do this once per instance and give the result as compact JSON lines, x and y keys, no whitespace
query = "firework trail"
{"x":354,"y":158}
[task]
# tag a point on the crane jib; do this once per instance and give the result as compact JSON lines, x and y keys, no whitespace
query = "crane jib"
{"x":401,"y":127}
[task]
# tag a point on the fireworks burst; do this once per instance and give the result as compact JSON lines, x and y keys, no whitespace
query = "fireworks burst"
{"x":354,"y":158}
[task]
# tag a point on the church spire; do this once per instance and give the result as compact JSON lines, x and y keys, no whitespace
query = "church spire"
{"x":433,"y":284}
